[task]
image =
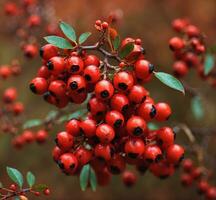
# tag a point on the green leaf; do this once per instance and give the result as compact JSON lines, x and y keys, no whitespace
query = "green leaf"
{"x":83,"y":37}
{"x":59,"y":42}
{"x":77,"y":114}
{"x":126,"y":50}
{"x":30,"y":179}
{"x":152,"y":126}
{"x":40,"y":187}
{"x":116,"y":42}
{"x":170,"y":81}
{"x":15,"y":175}
{"x":197,"y":107}
{"x":68,"y":31}
{"x":32,"y":123}
{"x":16,"y":198}
{"x":51,"y":115}
{"x":84,"y":177}
{"x":93,"y":180}
{"x":208,"y":64}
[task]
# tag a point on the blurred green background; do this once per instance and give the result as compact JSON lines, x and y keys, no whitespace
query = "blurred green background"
{"x":149,"y":20}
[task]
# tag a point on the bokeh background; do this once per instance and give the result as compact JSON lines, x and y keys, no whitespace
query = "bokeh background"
{"x":149,"y":20}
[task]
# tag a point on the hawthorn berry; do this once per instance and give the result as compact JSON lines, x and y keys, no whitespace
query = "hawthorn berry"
{"x":143,"y":69}
{"x":64,"y":140}
{"x":75,"y":65}
{"x":76,"y":83}
{"x":48,"y":51}
{"x":83,"y":155}
{"x":92,"y":74}
{"x":165,"y":137}
{"x":73,"y":127}
{"x":97,"y":107}
{"x":104,"y":90}
{"x":104,"y":151}
{"x":163,"y":111}
{"x":152,"y":154}
{"x":174,"y":154}
{"x":137,"y":94}
{"x":116,"y":164}
{"x":147,"y":111}
{"x":91,"y":60}
{"x":10,"y":95}
{"x":123,"y":81}
{"x":176,"y":43}
{"x":105,"y":133}
{"x":56,"y":153}
{"x":56,"y":65}
{"x":88,"y":127}
{"x":114,"y":118}
{"x":38,"y":85}
{"x":41,"y":136}
{"x":120,"y":102}
{"x":136,"y":126}
{"x":129,"y":178}
{"x":68,"y":163}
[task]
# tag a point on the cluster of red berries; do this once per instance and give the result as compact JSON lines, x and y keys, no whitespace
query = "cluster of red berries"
{"x":198,"y":176}
{"x":115,"y":131}
{"x":27,"y":22}
{"x":7,"y":71}
{"x":189,"y":49}
{"x":28,"y":137}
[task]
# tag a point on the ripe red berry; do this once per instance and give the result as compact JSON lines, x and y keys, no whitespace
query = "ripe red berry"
{"x":57,"y":89}
{"x":180,"y":68}
{"x":104,"y":89}
{"x":114,"y":118}
{"x":123,"y":81}
{"x":64,"y":141}
{"x":28,"y":136}
{"x":174,"y":154}
{"x":104,"y":151}
{"x":88,"y":127}
{"x":163,"y":111}
{"x":41,"y":136}
{"x":56,"y":65}
{"x":117,"y":164}
{"x":56,"y":153}
{"x":68,"y":163}
{"x":13,"y":187}
{"x":187,"y":165}
{"x":83,"y":155}
{"x":211,"y":193}
{"x":129,"y":178}
{"x":91,"y":60}
{"x":48,"y":51}
{"x":18,"y":108}
{"x":179,"y":24}
{"x":5,"y":71}
{"x":76,"y":83}
{"x":186,"y":180}
{"x":10,"y":95}
{"x":143,"y":69}
{"x":120,"y":102}
{"x":136,"y":126}
{"x":165,"y":137}
{"x":43,"y":72}
{"x":46,"y":192}
{"x":176,"y":43}
{"x":92,"y":74}
{"x":134,"y":148}
{"x":202,"y":186}
{"x":30,"y":50}
{"x":152,"y":154}
{"x":34,"y":20}
{"x":105,"y":133}
{"x":75,"y":65}
{"x":97,"y":107}
{"x":38,"y":85}
{"x":147,"y":111}
{"x":105,"y":25}
{"x":192,"y":31}
{"x":137,"y":94}
{"x":73,"y":127}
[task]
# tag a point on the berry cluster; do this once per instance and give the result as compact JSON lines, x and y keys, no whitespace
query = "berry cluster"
{"x":198,"y":176}
{"x":7,"y":71}
{"x":189,"y":49}
{"x":115,"y":131}
{"x":28,"y":136}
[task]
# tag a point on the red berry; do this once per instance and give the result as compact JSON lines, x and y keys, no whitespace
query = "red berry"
{"x":123,"y":81}
{"x":83,"y":156}
{"x":120,"y":102}
{"x":38,"y":85}
{"x":105,"y":133}
{"x":202,"y":186}
{"x":211,"y":193}
{"x":176,"y":43}
{"x":13,"y":187}
{"x":147,"y":111}
{"x":114,"y":119}
{"x":56,"y":65}
{"x":73,"y":127}
{"x":192,"y":31}
{"x":48,"y":51}
{"x":117,"y":164}
{"x":129,"y":178}
{"x":180,"y":68}
{"x":143,"y":69}
{"x":91,"y":60}
{"x":68,"y":163}
{"x":46,"y":192}
{"x":104,"y":151}
{"x":30,"y":50}
{"x":137,"y":94}
{"x":92,"y":74}
{"x":165,"y":137}
{"x":152,"y":154}
{"x":41,"y":136}
{"x":75,"y":65}
{"x":5,"y":71}
{"x":76,"y":83}
{"x":43,"y":72}
{"x":28,"y":136}
{"x":163,"y":111}
{"x":187,"y":165}
{"x":18,"y":108}
{"x":10,"y":95}
{"x":186,"y":180}
{"x":57,"y":89}
{"x":88,"y":127}
{"x":104,"y":90}
{"x":64,"y":141}
{"x":134,"y":148}
{"x":136,"y":126}
{"x":105,"y":25}
{"x":174,"y":154}
{"x":97,"y":107}
{"x":56,"y":153}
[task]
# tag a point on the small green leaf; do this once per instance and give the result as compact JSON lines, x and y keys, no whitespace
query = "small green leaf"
{"x":68,"y":31}
{"x":59,"y":42}
{"x":40,"y":187}
{"x":83,"y":37}
{"x":84,"y":177}
{"x":32,"y":123}
{"x":51,"y":115}
{"x":126,"y":50}
{"x":197,"y":107}
{"x":16,"y":198}
{"x":30,"y":179}
{"x":77,"y":114}
{"x":116,"y":42}
{"x":152,"y":126}
{"x":208,"y":64}
{"x":170,"y":81}
{"x":93,"y":180}
{"x":15,"y":175}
